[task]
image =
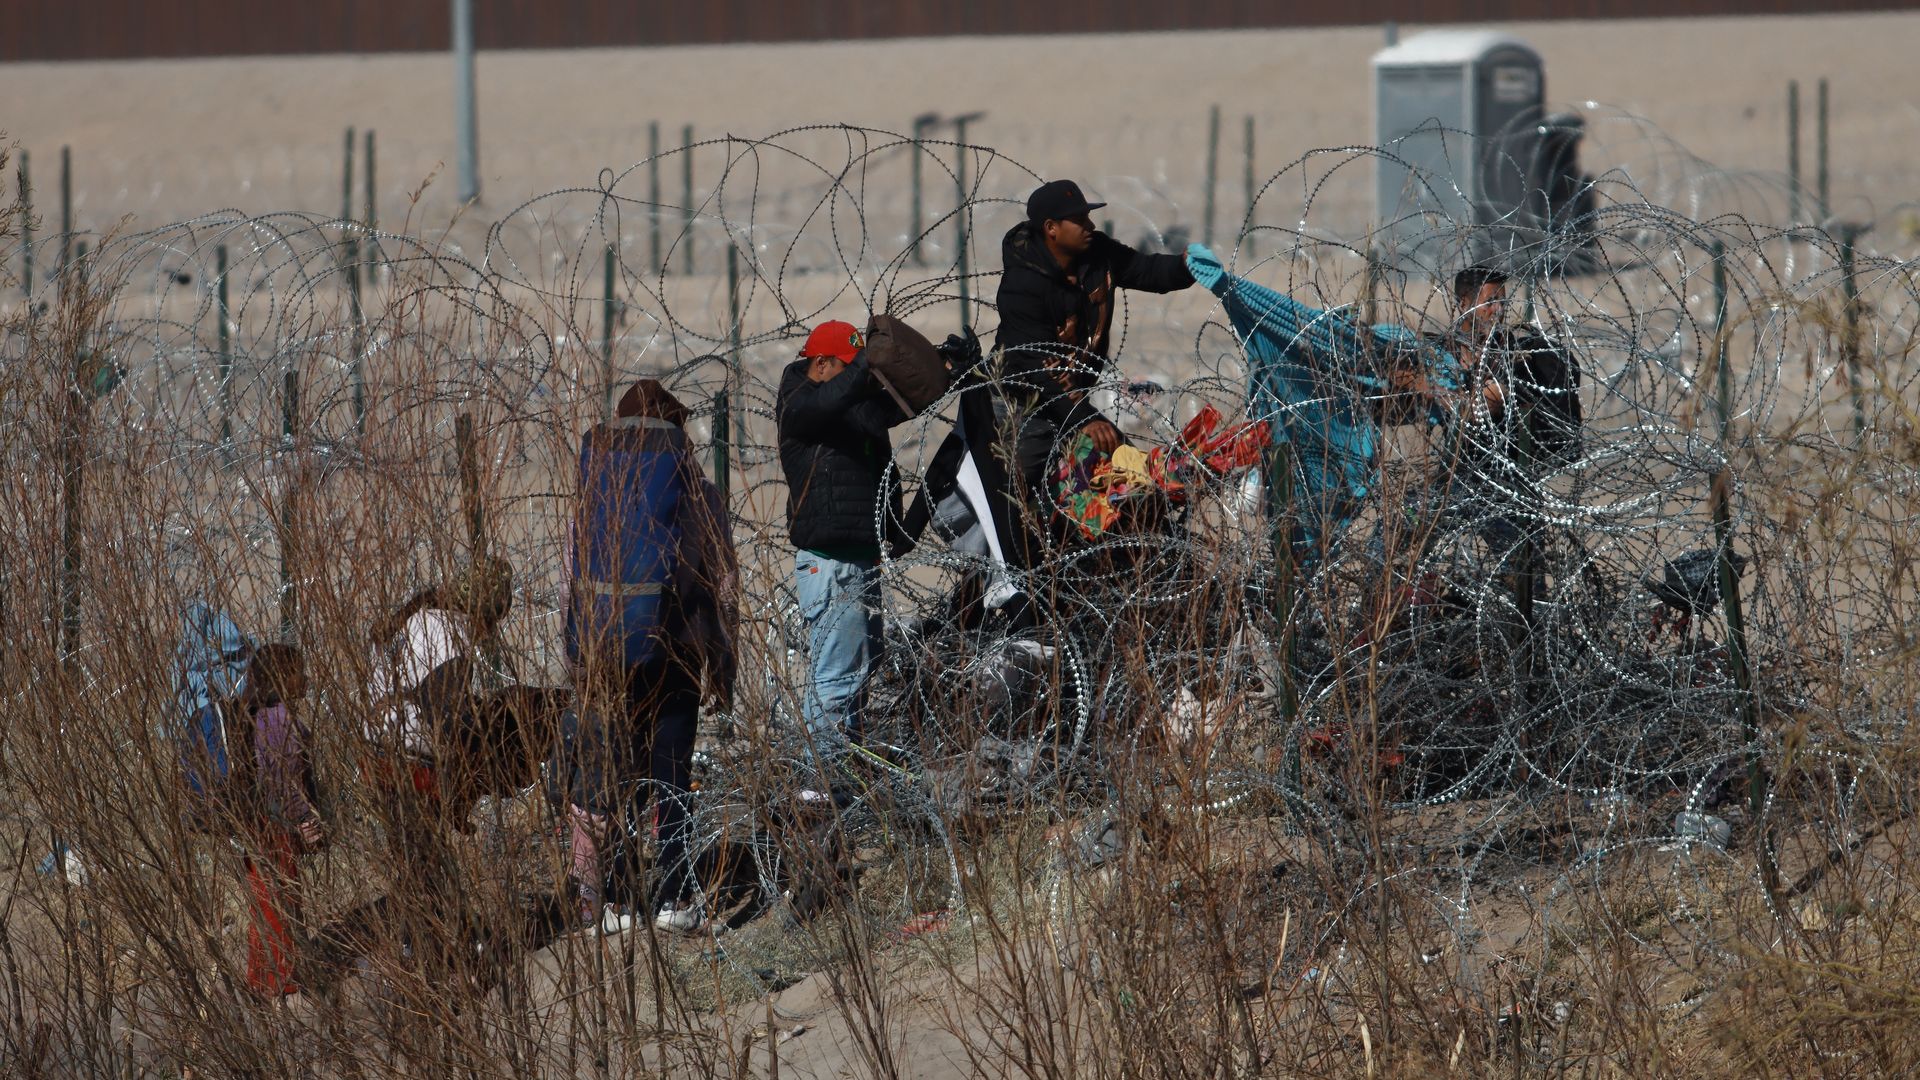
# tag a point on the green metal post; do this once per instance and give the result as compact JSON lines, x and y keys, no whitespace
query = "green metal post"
{"x":66,"y":213}
{"x":373,"y":213}
{"x":1793,"y":152}
{"x":1724,"y":396}
{"x":737,"y":366}
{"x":1246,"y":242}
{"x":26,"y":229}
{"x":686,"y":193}
{"x":224,"y":335}
{"x":606,"y":335}
{"x":346,"y":180}
{"x":653,"y":194}
{"x":917,"y":222}
{"x":1721,"y":495}
{"x":1820,"y":153}
{"x":1213,"y":168}
{"x":356,"y":315}
{"x":960,"y":217}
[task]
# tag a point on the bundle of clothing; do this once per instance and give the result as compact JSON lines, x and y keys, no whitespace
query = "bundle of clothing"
{"x":1093,"y":489}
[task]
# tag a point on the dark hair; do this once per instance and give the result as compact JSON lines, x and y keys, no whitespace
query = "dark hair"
{"x":1474,"y":278}
{"x":273,"y":668}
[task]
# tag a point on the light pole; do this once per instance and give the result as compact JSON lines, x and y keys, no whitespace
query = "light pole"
{"x":465,"y":120}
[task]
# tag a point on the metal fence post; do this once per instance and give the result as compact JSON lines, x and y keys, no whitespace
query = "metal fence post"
{"x":686,"y":194}
{"x":1247,"y":234}
{"x":917,"y":222}
{"x":1793,"y":152}
{"x":346,"y":180}
{"x":1821,"y":205}
{"x":26,"y":229}
{"x":66,"y":213}
{"x":224,"y":336}
{"x":737,"y":366}
{"x":1721,"y":498}
{"x":1724,"y":400}
{"x":607,"y":314}
{"x":960,"y":217}
{"x":358,"y":341}
{"x":1213,"y":167}
{"x":653,"y":196}
{"x":373,"y":216}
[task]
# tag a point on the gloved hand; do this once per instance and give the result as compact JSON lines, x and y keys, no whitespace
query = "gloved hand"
{"x":961,"y":351}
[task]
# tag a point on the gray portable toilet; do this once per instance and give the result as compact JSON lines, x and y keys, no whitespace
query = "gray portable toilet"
{"x":1457,"y":115}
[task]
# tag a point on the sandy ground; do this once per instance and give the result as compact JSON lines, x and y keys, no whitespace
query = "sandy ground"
{"x":166,"y":140}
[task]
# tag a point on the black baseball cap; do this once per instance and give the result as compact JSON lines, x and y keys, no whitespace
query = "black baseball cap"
{"x":1059,"y":200}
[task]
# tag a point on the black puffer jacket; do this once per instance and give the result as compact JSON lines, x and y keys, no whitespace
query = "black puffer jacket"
{"x":1046,"y":310}
{"x":835,"y":451}
{"x":1545,"y":385}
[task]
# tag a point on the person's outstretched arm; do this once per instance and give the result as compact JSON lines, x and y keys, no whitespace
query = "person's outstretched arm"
{"x":1142,"y":272}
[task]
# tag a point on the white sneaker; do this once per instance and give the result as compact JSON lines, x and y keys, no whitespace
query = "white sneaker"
{"x":615,"y":921}
{"x":687,"y":918}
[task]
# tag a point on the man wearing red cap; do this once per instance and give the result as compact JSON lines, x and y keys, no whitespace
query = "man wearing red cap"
{"x":833,"y":417}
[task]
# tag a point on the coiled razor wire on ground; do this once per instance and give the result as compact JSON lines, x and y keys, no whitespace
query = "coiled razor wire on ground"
{"x":306,"y":470}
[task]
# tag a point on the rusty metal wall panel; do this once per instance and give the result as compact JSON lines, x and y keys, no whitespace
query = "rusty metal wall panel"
{"x":125,"y":29}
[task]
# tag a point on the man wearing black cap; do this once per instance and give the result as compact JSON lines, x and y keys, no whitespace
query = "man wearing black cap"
{"x":1056,"y":304}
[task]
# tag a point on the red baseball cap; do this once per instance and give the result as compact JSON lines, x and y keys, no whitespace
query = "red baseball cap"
{"x":840,"y":340}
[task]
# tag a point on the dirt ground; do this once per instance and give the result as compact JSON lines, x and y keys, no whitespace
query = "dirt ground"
{"x":162,"y":141}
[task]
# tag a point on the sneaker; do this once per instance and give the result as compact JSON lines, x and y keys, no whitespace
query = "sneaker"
{"x":683,"y":918}
{"x":614,"y":920}
{"x":604,"y":919}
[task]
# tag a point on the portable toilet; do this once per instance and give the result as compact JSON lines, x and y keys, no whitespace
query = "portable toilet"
{"x":1458,"y":119}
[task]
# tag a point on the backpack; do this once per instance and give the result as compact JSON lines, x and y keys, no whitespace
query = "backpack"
{"x":908,"y":366}
{"x":626,"y":539}
{"x":210,"y":667}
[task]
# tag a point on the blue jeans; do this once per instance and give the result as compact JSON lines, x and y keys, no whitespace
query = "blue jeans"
{"x":840,"y":605}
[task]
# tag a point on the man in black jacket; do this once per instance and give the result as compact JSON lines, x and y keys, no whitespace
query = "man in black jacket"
{"x":1056,"y":302}
{"x":1522,"y":412}
{"x":1512,"y":414}
{"x":833,"y":417}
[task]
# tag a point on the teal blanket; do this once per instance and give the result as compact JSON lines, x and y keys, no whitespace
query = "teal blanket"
{"x":1314,"y":374}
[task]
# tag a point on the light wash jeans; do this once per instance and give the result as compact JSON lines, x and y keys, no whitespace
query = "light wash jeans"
{"x":840,"y":604}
